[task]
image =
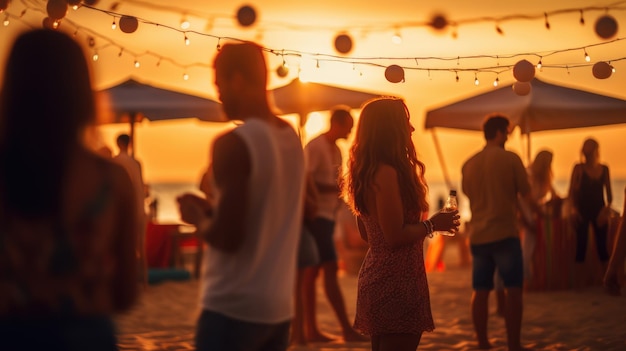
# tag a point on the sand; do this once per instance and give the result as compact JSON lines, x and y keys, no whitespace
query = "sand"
{"x":587,"y":319}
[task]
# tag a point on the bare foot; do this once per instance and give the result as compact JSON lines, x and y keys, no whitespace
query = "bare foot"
{"x":611,"y":286}
{"x":321,"y":337}
{"x":352,"y":335}
{"x":484,"y":346}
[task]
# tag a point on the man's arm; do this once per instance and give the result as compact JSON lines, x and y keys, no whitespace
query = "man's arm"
{"x":231,"y":167}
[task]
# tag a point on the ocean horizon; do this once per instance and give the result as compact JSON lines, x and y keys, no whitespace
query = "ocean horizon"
{"x":167,"y":212}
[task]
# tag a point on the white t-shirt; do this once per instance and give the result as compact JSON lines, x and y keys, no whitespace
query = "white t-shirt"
{"x":323,"y":163}
{"x":255,"y":284}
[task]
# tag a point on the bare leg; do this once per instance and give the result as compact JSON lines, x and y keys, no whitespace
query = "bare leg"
{"x":297,"y":325}
{"x":580,"y":280}
{"x":399,"y":342}
{"x":309,"y":304}
{"x":513,"y":317}
{"x":480,"y":315}
{"x":500,"y":302}
{"x":335,"y":298}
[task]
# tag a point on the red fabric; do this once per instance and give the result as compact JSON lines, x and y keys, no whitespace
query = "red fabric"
{"x":159,"y":244}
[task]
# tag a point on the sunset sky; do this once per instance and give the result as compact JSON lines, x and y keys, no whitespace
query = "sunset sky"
{"x":302,"y":35}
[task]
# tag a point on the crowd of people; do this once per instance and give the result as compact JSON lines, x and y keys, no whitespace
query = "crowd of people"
{"x":72,"y":221}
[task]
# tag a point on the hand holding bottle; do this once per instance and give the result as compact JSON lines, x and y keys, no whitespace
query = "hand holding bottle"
{"x":449,"y":214}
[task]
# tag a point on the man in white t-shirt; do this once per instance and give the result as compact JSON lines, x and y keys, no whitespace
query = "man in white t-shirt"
{"x":253,"y":224}
{"x":134,"y":170}
{"x":323,"y":164}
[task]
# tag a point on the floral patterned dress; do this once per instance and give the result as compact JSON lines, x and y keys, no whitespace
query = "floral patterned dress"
{"x":392,"y":292}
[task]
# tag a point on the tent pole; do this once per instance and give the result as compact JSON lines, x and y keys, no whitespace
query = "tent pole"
{"x":444,"y":169}
{"x":528,"y":159}
{"x":131,"y":119}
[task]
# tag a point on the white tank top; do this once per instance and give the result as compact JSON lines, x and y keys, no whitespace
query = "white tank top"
{"x":255,"y":284}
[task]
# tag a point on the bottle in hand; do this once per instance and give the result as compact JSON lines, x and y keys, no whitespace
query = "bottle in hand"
{"x":450,"y":205}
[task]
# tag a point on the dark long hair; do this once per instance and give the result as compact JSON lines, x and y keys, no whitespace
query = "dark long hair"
{"x":45,"y":102}
{"x":383,"y":137}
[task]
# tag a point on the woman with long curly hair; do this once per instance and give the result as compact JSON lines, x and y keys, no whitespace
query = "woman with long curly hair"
{"x":385,"y":188}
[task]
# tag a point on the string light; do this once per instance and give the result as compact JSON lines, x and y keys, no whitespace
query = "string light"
{"x":325,"y":57}
{"x":185,"y":76}
{"x":187,"y":42}
{"x":113,"y":25}
{"x":6,"y":20}
{"x":396,"y":38}
{"x":476,"y":81}
{"x":499,"y":30}
{"x":184,"y":23}
{"x":95,"y":56}
{"x":496,"y":82}
{"x":457,"y":76}
{"x":582,"y":19}
{"x":137,"y":64}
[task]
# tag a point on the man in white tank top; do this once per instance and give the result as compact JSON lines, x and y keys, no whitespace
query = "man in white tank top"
{"x":253,"y":225}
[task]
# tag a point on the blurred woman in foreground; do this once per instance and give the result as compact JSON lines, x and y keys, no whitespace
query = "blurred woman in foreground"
{"x":67,"y":243}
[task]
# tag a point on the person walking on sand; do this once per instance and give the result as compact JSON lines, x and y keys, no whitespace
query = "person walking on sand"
{"x":615,"y":271}
{"x":589,"y":183}
{"x":67,"y":248}
{"x":385,"y":187}
{"x":323,"y":163}
{"x":134,"y":169}
{"x":492,"y":180}
{"x":253,"y":228}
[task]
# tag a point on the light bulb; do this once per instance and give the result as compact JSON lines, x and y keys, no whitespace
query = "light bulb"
{"x":113,"y":25}
{"x":476,"y":81}
{"x":6,"y":21}
{"x":137,"y":64}
{"x":185,"y":76}
{"x":539,"y":64}
{"x":187,"y":42}
{"x":396,"y":38}
{"x":184,"y":24}
{"x":95,"y":56}
{"x":496,"y":82}
{"x":587,"y":58}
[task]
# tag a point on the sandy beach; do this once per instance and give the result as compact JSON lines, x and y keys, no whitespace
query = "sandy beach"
{"x":588,"y":319}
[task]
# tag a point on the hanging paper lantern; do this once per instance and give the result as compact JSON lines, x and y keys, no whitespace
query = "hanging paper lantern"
{"x":128,"y":24}
{"x":602,"y":70}
{"x":49,"y":23}
{"x":56,"y":9}
{"x":3,"y":5}
{"x":524,"y":71}
{"x":521,"y":88}
{"x":282,"y":71}
{"x":246,"y":15}
{"x":439,"y":22}
{"x":606,"y":27}
{"x":394,"y":74}
{"x":343,"y":43}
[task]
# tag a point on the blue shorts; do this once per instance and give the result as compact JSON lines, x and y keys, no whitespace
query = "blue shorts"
{"x":322,"y":230}
{"x":216,"y":332}
{"x":307,"y":250}
{"x":505,"y":255}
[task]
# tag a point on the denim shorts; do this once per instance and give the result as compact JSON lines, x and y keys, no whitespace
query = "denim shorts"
{"x":217,"y":332}
{"x":323,"y":231}
{"x":307,"y":250}
{"x":505,"y":255}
